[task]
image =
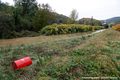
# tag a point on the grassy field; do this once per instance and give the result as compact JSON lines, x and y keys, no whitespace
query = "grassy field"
{"x":63,"y":57}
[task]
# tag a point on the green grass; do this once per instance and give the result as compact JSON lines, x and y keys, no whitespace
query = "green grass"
{"x":70,"y":59}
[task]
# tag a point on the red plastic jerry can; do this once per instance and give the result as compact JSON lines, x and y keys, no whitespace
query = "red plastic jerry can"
{"x":21,"y":63}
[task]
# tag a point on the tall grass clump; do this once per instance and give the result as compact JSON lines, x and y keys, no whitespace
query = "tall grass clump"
{"x":55,"y":29}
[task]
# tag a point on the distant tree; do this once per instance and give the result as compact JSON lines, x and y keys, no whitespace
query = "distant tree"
{"x":23,"y":14}
{"x":60,"y":18}
{"x":5,"y":8}
{"x":111,"y":24}
{"x":73,"y":16}
{"x":43,"y":17}
{"x":90,"y":21}
{"x":28,"y":7}
{"x":6,"y":25}
{"x":106,"y":25}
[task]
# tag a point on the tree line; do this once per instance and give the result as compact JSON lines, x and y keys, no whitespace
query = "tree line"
{"x":27,"y":18}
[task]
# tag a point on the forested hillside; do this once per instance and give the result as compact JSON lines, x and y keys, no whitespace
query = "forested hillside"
{"x":114,"y":20}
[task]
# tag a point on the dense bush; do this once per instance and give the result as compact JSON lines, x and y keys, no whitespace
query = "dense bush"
{"x":27,"y":33}
{"x":9,"y":30}
{"x":67,"y":28}
{"x":116,"y":27}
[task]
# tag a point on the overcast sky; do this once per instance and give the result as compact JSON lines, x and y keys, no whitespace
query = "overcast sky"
{"x":99,"y":9}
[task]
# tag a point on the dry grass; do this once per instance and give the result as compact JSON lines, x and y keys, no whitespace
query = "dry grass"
{"x":101,"y":39}
{"x":38,"y":39}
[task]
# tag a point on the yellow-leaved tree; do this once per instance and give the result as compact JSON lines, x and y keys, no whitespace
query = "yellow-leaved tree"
{"x":116,"y":27}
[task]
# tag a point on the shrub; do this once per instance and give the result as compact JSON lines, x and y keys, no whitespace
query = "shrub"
{"x":24,"y":33}
{"x":116,"y":27}
{"x":55,"y":29}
